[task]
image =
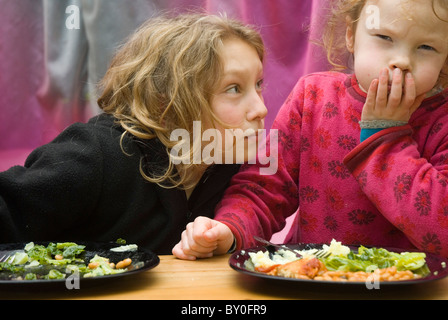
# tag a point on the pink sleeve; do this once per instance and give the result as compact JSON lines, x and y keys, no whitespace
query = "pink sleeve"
{"x":408,"y":188}
{"x":258,"y":204}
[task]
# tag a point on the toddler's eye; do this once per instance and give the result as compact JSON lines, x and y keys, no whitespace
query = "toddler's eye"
{"x":260,"y":84}
{"x":383,"y":37}
{"x":428,"y":48}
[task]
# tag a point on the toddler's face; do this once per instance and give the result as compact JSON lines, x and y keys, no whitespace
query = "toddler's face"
{"x":399,"y":34}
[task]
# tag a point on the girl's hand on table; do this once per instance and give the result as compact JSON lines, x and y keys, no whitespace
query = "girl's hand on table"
{"x":203,"y":238}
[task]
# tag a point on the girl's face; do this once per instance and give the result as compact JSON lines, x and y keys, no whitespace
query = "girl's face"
{"x":399,"y":34}
{"x":238,"y":100}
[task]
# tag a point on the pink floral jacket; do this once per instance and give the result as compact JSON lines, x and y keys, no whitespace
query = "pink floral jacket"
{"x":390,"y":190}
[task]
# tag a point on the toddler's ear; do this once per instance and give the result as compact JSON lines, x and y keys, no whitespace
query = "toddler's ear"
{"x":350,"y":35}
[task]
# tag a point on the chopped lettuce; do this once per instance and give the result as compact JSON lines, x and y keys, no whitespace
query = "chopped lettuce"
{"x":104,"y":268}
{"x":54,"y":275}
{"x":30,"y":276}
{"x":69,"y":250}
{"x":121,"y":241}
{"x":39,"y":253}
{"x":6,"y":266}
{"x":369,"y":259}
{"x":53,"y":261}
{"x":20,"y":258}
{"x":73,"y":251}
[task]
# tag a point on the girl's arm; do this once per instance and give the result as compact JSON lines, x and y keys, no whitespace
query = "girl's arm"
{"x":410,"y":190}
{"x":58,"y":186}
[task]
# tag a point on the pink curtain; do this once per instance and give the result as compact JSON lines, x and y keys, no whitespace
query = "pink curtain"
{"x":45,"y":69}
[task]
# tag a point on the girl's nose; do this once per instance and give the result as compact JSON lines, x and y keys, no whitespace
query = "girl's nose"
{"x":257,"y":109}
{"x":401,"y":62}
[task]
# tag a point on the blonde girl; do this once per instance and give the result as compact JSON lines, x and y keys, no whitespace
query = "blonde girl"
{"x":165,"y":79}
{"x":114,"y":177}
{"x":363,"y":157}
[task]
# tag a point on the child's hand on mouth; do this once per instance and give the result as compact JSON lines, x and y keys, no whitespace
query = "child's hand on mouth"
{"x":393,"y":101}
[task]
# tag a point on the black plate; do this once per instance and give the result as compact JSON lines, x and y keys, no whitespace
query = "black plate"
{"x":437,"y":265}
{"x":148,"y":260}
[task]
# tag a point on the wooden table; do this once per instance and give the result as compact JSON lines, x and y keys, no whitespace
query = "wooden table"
{"x":213,"y":279}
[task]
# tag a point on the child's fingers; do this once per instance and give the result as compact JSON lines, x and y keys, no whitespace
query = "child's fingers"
{"x":222,"y":235}
{"x":382,"y":92}
{"x":409,"y":91}
{"x":178,"y":252}
{"x":219,"y":232}
{"x":202,"y":238}
{"x":192,"y":247}
{"x":212,"y":235}
{"x":369,"y":106}
{"x":411,"y":100}
{"x":201,"y":227}
{"x":371,"y":95}
{"x":396,"y":91}
{"x":195,"y":236}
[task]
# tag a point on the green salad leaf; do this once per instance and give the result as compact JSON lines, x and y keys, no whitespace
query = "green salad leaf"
{"x":370,"y":259}
{"x":46,"y":255}
{"x":30,"y":276}
{"x":54,"y":275}
{"x":39,"y":253}
{"x":6,"y":266}
{"x":53,"y":261}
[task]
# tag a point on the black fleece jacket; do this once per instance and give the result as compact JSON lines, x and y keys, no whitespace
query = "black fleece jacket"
{"x":83,"y":187}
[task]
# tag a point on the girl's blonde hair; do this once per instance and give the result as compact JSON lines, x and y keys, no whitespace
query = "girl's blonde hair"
{"x":333,"y":38}
{"x":163,"y":79}
{"x":335,"y":30}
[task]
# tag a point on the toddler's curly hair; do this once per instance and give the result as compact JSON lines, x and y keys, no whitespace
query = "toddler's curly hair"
{"x":333,"y":39}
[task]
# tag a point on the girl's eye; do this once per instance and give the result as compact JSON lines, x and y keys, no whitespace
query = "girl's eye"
{"x":260,"y":84}
{"x":233,"y":89}
{"x":383,"y":37}
{"x":428,"y":48}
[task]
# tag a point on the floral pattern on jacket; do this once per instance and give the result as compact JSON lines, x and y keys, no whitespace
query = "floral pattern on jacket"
{"x":390,"y":190}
